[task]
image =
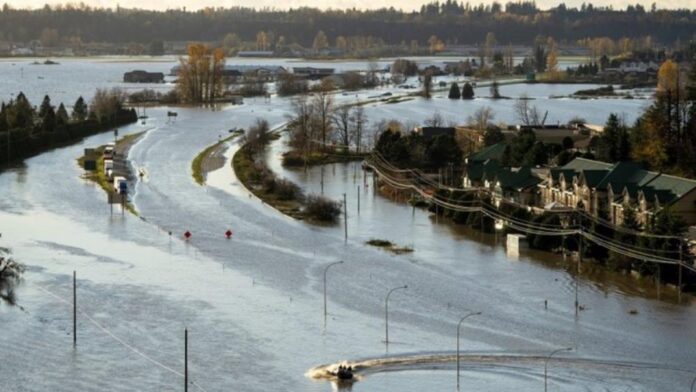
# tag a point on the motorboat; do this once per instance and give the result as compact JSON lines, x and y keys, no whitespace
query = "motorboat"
{"x":343,"y":373}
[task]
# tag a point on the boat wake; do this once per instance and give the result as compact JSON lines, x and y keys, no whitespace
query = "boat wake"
{"x":443,"y":361}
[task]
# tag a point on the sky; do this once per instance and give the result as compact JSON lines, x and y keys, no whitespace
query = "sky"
{"x":402,"y":4}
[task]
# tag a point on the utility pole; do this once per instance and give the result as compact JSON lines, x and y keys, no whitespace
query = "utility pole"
{"x":680,"y":270}
{"x":358,"y":199}
{"x":185,"y":360}
{"x":546,"y":363}
{"x":386,"y":313}
{"x":74,"y":291}
{"x":458,"y":328}
{"x":325,"y":271}
{"x":577,"y":273}
{"x":345,"y":217}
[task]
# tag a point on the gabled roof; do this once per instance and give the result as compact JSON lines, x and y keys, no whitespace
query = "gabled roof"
{"x":579,"y":164}
{"x":626,"y":173}
{"x":557,"y":173}
{"x":478,"y":171}
{"x":494,"y":152}
{"x":516,"y":179}
{"x":592,"y":177}
{"x":630,"y":177}
{"x":663,"y":196}
{"x":677,"y":185}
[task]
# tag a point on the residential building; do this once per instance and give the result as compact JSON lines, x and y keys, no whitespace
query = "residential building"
{"x":313,"y":73}
{"x":606,"y":190}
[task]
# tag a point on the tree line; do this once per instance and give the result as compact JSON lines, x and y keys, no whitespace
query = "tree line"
{"x":664,"y":136}
{"x":26,"y":130}
{"x":318,"y":125}
{"x":451,"y":22}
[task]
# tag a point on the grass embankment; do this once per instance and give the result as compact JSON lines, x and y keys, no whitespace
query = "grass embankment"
{"x":282,"y":194}
{"x":296,"y":158}
{"x":249,"y":174}
{"x":389,"y":246}
{"x":99,"y":176}
{"x":197,"y":170}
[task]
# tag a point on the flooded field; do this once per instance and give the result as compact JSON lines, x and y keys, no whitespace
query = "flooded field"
{"x":254,"y":304}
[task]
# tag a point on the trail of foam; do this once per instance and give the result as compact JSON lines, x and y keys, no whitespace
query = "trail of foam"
{"x":430,"y":361}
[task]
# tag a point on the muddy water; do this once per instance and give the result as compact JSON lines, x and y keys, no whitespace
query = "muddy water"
{"x":254,"y":304}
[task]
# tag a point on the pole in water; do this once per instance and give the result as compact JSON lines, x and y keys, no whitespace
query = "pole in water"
{"x":577,"y":272}
{"x":185,"y":360}
{"x":345,"y":217}
{"x":358,"y":199}
{"x":680,"y":270}
{"x":74,"y":290}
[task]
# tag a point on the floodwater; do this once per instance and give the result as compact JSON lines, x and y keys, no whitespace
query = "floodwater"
{"x":254,"y":304}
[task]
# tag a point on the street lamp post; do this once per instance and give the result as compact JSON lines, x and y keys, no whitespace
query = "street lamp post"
{"x":325,"y":271}
{"x":693,"y":382}
{"x":458,"y":327}
{"x":546,"y":363}
{"x":386,"y":312}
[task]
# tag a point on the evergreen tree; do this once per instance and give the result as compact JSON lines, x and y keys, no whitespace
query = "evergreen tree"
{"x":540,"y":56}
{"x":62,"y":116}
{"x":493,"y":135}
{"x":45,"y":106}
{"x":427,"y":85}
{"x":454,"y":92}
{"x":506,"y":160}
{"x":665,"y":223}
{"x":536,"y":155}
{"x":630,"y":222}
{"x":495,"y":90}
{"x":614,"y":144}
{"x":48,"y":121}
{"x":20,"y":113}
{"x":467,"y":91}
{"x":522,"y":145}
{"x":80,"y":110}
{"x":3,"y":118}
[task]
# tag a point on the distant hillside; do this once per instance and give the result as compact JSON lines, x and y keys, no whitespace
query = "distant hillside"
{"x":449,"y":22}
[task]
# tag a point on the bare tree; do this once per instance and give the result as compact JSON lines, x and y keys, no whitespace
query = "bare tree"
{"x":528,"y":114}
{"x":435,"y":121}
{"x":397,"y":77}
{"x":427,"y":85}
{"x":341,"y":118}
{"x":301,"y":123}
{"x":359,"y":120}
{"x":323,"y":106}
{"x":258,"y":134}
{"x":371,"y":78}
{"x":481,"y":118}
{"x":10,"y":276}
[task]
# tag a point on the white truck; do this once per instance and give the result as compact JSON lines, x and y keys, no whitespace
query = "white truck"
{"x":109,"y":151}
{"x":120,"y":185}
{"x":108,"y":167}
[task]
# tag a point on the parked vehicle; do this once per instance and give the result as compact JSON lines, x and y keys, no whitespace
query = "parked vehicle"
{"x":109,"y":150}
{"x":120,"y":185}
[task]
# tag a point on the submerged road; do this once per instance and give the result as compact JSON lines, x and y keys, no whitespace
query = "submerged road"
{"x":253,"y":304}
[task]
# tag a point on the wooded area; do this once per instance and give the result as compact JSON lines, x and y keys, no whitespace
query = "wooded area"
{"x":451,"y":22}
{"x":24,"y":131}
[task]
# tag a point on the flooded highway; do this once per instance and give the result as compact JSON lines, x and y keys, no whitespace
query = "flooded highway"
{"x":253,"y":304}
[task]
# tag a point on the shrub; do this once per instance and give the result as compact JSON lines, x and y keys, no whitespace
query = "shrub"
{"x":322,"y":209}
{"x":287,"y":190}
{"x":293,"y":159}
